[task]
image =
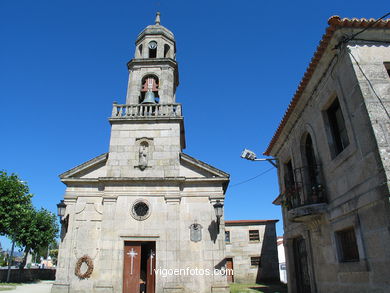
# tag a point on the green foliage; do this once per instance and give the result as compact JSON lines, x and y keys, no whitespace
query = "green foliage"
{"x":15,"y":199}
{"x":37,"y":229}
{"x":30,"y":228}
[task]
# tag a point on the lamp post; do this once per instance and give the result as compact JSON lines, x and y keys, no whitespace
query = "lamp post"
{"x":218,"y":207}
{"x":61,"y":207}
{"x":251,"y":156}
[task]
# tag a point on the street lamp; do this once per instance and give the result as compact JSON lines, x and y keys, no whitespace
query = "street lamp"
{"x":61,"y":209}
{"x":251,"y":156}
{"x":218,"y":207}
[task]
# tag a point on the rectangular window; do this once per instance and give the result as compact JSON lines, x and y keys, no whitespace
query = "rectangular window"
{"x":254,"y":235}
{"x":255,"y":261}
{"x":387,"y":66}
{"x":347,"y":245}
{"x":337,"y":127}
{"x":227,"y":236}
{"x":289,"y":182}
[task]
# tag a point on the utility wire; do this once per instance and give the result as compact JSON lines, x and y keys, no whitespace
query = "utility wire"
{"x":250,"y":179}
{"x":346,"y":40}
{"x":371,"y":86}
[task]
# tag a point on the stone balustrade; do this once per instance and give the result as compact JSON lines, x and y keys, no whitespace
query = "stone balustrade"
{"x":146,"y":110}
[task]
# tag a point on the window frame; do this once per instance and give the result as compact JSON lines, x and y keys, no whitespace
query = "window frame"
{"x":227,"y":233}
{"x":258,"y":261}
{"x":256,"y":232}
{"x":342,"y":244}
{"x":339,"y":139}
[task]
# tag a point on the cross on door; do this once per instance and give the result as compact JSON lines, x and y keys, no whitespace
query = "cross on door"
{"x":132,"y":254}
{"x":152,"y":254}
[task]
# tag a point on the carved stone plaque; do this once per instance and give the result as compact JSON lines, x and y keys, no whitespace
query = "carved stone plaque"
{"x":196,"y":232}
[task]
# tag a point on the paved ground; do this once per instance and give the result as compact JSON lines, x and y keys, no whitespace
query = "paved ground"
{"x":42,"y":287}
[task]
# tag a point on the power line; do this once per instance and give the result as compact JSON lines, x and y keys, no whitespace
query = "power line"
{"x":250,"y":179}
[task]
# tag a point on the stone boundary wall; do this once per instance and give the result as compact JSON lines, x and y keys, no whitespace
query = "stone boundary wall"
{"x":28,"y":275}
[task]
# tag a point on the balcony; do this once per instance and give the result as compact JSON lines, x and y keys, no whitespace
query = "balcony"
{"x":138,"y":111}
{"x":305,"y":198}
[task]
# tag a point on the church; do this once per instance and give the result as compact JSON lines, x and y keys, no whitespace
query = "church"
{"x":145,"y":216}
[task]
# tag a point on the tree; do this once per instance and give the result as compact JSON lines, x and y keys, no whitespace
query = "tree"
{"x":37,"y":229}
{"x":15,"y":199}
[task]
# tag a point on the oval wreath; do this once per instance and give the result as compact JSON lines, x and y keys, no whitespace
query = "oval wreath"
{"x":88,"y":261}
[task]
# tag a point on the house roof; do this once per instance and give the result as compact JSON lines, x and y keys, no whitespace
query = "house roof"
{"x":335,"y":23}
{"x":249,"y":222}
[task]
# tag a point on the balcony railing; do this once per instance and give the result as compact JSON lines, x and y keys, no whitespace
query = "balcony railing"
{"x":307,"y":190}
{"x":146,"y":111}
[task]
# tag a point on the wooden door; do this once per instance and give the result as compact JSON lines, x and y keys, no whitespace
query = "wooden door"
{"x":301,"y":266}
{"x":150,"y":269}
{"x":229,"y":270}
{"x":131,"y":268}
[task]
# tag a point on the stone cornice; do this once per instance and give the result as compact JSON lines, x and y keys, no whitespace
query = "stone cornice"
{"x":82,"y":167}
{"x":108,"y":180}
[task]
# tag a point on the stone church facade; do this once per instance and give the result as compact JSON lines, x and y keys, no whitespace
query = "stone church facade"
{"x":144,"y":205}
{"x":333,"y":149}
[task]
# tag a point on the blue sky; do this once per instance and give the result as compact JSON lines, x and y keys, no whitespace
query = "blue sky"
{"x":63,"y":63}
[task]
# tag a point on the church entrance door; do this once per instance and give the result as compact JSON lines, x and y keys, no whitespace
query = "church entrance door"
{"x":139,"y":267}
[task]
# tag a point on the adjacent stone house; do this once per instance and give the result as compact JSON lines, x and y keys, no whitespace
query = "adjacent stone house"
{"x":144,"y":215}
{"x":333,"y":151}
{"x":251,"y":251}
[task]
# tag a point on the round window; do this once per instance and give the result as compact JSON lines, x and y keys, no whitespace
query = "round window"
{"x":140,"y":210}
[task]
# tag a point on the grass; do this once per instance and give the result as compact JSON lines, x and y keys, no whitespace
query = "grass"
{"x":7,"y":286}
{"x":258,"y":288}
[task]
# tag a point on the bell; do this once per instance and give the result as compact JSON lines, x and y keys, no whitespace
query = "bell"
{"x":149,"y":98}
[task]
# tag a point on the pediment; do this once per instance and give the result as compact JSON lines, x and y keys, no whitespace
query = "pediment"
{"x":194,"y":168}
{"x":93,"y":168}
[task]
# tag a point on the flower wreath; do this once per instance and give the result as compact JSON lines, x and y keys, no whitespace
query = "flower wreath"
{"x":88,"y":261}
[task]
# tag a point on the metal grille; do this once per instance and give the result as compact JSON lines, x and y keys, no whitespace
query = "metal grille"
{"x":141,"y":209}
{"x":255,"y":261}
{"x":254,"y":235}
{"x":348,"y":249}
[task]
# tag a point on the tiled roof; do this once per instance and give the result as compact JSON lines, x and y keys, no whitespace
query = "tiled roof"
{"x":335,"y":23}
{"x":249,"y":222}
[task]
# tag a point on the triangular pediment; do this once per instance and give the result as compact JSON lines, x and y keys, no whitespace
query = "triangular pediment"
{"x":93,"y":168}
{"x":194,"y":168}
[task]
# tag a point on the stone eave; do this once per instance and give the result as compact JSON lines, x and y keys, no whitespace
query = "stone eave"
{"x":278,"y":200}
{"x":203,"y":165}
{"x":230,"y":223}
{"x":84,"y":166}
{"x":108,"y":180}
{"x":144,"y":62}
{"x":138,"y":119}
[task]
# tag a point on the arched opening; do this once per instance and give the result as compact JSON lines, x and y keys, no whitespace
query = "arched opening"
{"x":140,"y":50}
{"x":150,"y":82}
{"x":310,"y":172}
{"x":152,"y":49}
{"x":166,"y":51}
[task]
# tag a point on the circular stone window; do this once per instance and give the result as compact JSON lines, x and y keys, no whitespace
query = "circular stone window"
{"x":140,"y":210}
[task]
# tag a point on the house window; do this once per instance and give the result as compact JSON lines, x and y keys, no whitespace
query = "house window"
{"x":347,"y":245}
{"x":387,"y":66}
{"x":254,"y":235}
{"x":289,"y":181}
{"x":255,"y":261}
{"x":337,"y":127}
{"x":227,"y":236}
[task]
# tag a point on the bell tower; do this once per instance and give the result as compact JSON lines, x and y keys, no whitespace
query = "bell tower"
{"x":147,"y":134}
{"x":153,"y":73}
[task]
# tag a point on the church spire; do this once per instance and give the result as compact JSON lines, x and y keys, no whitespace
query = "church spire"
{"x":158,"y":18}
